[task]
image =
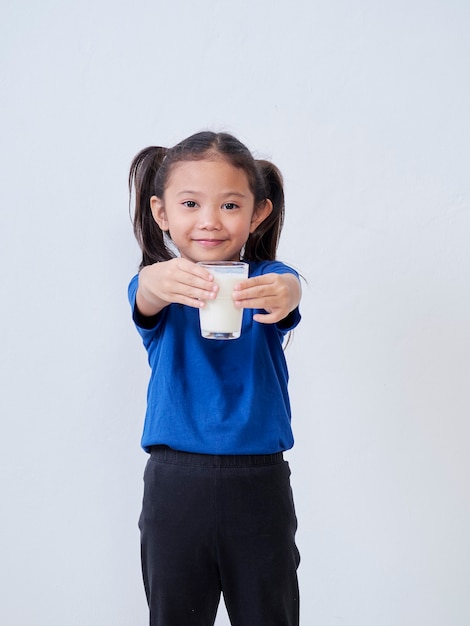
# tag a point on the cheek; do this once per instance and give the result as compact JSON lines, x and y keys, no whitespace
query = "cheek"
{"x":244,"y":230}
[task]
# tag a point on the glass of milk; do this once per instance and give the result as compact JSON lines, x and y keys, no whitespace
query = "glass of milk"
{"x":220,"y":318}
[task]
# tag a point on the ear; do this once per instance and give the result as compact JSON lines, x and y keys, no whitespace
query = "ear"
{"x":260,"y":213}
{"x":159,"y":213}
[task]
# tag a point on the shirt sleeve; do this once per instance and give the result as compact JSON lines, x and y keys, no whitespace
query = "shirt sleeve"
{"x":145,"y":325}
{"x":291,"y":321}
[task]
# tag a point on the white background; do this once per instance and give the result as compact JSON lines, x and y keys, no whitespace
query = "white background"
{"x":365,"y":108}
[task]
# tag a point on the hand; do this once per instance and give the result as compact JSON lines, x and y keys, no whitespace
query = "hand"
{"x":177,"y":280}
{"x":278,"y":294}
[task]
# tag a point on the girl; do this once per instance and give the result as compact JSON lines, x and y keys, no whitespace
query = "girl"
{"x":218,"y":514}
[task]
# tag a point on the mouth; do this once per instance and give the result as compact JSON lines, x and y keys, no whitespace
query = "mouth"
{"x":209,"y":243}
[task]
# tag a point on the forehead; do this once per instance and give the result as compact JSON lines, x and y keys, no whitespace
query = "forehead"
{"x":207,"y":174}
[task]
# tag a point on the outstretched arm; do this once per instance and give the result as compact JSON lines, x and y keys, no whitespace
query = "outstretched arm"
{"x":277,"y":294}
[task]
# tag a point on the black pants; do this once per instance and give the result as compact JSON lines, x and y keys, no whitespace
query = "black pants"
{"x":213,"y":524}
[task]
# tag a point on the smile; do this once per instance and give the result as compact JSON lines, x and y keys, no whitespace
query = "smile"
{"x":209,"y":243}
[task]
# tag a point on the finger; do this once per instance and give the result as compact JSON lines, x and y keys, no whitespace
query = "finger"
{"x":191,"y":292}
{"x":255,"y":281}
{"x":193,"y":274}
{"x":195,"y":303}
{"x":197,"y":284}
{"x":267,"y":318}
{"x":262,"y":279}
{"x":268,"y":303}
{"x":192,"y":296}
{"x":257,"y":292}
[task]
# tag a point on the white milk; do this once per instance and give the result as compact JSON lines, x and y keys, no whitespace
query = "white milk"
{"x":220,"y":318}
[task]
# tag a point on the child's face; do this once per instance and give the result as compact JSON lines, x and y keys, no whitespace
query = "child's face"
{"x":208,"y":209}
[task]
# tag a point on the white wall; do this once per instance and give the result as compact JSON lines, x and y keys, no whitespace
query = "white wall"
{"x":364,"y":106}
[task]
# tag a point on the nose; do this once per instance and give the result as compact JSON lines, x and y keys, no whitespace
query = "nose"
{"x":209,"y":218}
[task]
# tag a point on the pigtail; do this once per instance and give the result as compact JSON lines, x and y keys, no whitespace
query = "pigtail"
{"x":262,"y":244}
{"x":143,"y":178}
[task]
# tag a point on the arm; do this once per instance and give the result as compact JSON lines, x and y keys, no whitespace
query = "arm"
{"x":278,"y":294}
{"x":177,"y":280}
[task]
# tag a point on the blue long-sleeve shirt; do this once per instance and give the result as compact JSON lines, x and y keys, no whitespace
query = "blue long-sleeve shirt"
{"x":216,"y":396}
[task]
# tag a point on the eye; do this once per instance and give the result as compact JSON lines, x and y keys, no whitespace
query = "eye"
{"x":189,"y":203}
{"x":230,"y":206}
